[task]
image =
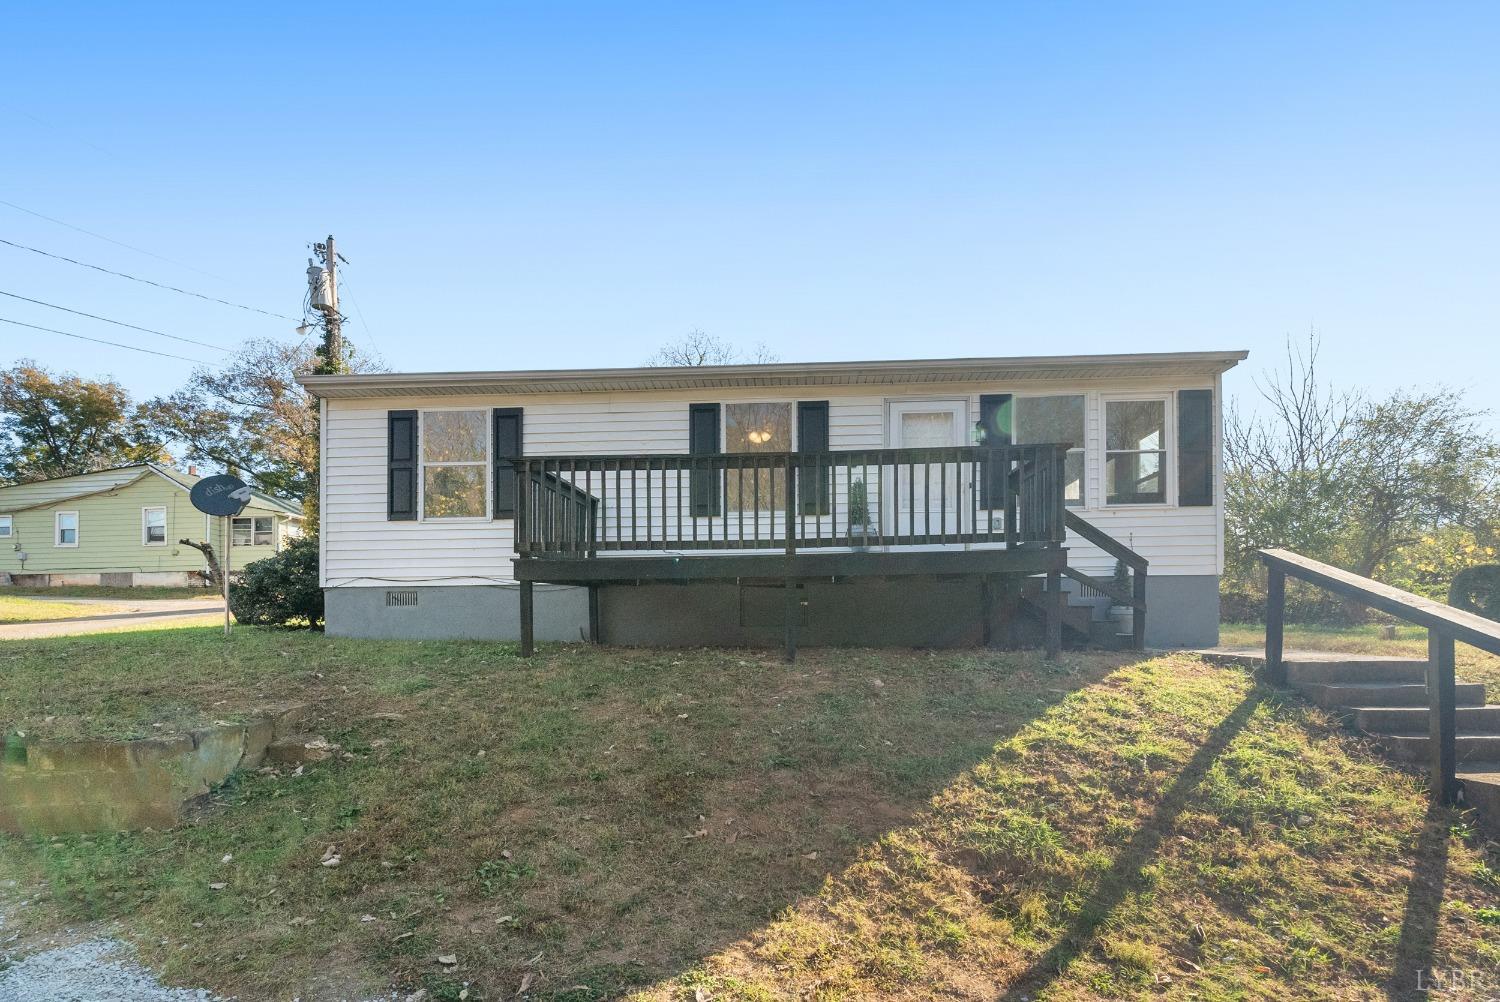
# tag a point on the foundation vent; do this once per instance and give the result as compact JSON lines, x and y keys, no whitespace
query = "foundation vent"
{"x":400,"y":599}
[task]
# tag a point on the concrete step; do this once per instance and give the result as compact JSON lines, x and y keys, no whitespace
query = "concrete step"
{"x":1468,"y":747}
{"x":1352,"y":695}
{"x":1482,"y":787}
{"x":1316,"y":669}
{"x":1413,"y":719}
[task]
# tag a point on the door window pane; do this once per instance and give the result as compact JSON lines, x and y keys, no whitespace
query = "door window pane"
{"x":1056,"y":420}
{"x":757,"y":428}
{"x":1135,"y":433}
{"x":927,"y":429}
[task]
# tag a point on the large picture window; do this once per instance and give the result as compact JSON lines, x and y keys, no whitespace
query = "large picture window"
{"x":256,"y":530}
{"x":757,"y":428}
{"x":1135,"y":451}
{"x":455,"y":456}
{"x":1054,"y":420}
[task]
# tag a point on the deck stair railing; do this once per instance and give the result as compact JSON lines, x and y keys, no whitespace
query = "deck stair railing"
{"x":972,"y":495}
{"x":1445,"y":626}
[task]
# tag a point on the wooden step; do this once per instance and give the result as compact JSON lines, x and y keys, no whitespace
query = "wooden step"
{"x":1354,"y":695}
{"x":1467,"y":747}
{"x":1317,"y":669}
{"x":1413,"y":719}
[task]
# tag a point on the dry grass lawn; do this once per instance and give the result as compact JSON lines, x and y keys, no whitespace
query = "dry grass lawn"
{"x":15,"y":609}
{"x":604,"y":823}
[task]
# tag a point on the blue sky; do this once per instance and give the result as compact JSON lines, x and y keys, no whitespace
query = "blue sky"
{"x":549,"y":185}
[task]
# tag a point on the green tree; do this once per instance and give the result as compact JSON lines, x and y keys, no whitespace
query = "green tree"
{"x":251,"y":418}
{"x":1366,"y":485}
{"x":59,"y":424}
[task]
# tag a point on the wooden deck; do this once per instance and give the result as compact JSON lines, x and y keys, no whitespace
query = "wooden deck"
{"x":996,"y":515}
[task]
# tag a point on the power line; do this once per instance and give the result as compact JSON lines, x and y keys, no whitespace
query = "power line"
{"x":112,"y":344}
{"x":344,"y":277}
{"x":110,"y":240}
{"x":147,"y":281}
{"x":117,"y":323}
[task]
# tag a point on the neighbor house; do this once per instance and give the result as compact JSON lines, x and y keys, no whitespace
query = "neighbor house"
{"x":929,"y":502}
{"x":122,"y":527}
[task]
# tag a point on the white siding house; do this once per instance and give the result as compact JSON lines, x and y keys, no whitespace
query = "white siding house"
{"x":448,"y":567}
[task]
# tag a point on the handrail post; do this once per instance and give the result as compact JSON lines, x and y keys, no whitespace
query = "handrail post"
{"x":1442,"y":717}
{"x":1275,"y":618}
{"x":1138,"y":614}
{"x":523,"y":490}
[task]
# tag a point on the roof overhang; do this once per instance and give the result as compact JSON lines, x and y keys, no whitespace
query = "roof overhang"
{"x":1083,"y":368}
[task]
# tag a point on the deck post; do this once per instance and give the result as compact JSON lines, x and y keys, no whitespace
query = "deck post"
{"x":989,"y":603}
{"x":793,"y":612}
{"x":528,"y":638}
{"x":1053,"y":600}
{"x":1275,"y":617}
{"x":595,"y":633}
{"x":1442,"y":717}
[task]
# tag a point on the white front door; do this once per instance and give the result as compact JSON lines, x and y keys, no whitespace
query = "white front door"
{"x":929,"y":500}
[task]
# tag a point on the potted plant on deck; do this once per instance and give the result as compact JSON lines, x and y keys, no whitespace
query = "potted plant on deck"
{"x":860,"y":527}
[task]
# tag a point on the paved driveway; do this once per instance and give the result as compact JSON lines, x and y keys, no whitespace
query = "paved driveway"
{"x":122,"y":614}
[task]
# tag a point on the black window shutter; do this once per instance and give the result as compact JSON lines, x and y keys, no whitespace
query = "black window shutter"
{"x":1195,"y":447}
{"x":401,"y":466}
{"x":506,"y":423}
{"x":703,"y":440}
{"x":994,"y":431}
{"x":812,"y":436}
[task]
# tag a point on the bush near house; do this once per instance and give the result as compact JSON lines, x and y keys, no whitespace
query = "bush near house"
{"x":281,"y":590}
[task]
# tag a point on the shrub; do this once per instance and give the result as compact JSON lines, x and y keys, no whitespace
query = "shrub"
{"x":281,"y":590}
{"x":1477,"y":589}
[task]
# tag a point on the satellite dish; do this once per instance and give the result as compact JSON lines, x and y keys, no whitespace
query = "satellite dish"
{"x":221,"y":495}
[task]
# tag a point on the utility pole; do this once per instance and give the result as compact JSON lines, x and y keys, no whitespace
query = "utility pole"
{"x":325,"y":299}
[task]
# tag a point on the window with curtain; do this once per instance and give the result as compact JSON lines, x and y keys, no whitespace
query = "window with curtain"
{"x":258,"y":530}
{"x":455,"y":456}
{"x":757,"y":428}
{"x":1054,"y":420}
{"x":1135,"y":451}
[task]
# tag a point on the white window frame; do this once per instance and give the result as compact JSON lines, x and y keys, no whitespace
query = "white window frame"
{"x":1079,"y":447}
{"x":145,"y":535}
{"x":57,"y":530}
{"x":1168,"y":450}
{"x":7,"y":526}
{"x":251,"y":519}
{"x":724,"y":406}
{"x":487,"y":463}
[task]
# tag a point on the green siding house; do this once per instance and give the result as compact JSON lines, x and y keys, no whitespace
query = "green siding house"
{"x":121,"y":527}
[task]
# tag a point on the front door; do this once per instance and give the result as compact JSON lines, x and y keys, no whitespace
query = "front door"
{"x":928,"y":498}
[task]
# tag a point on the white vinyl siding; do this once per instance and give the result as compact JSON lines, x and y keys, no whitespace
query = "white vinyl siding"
{"x":362,"y":548}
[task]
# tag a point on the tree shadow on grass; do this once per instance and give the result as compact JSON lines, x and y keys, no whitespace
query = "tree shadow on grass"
{"x":1126,"y":875}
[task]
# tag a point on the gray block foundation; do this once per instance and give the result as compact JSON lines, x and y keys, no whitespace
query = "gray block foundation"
{"x":1184,"y":612}
{"x":460,"y":612}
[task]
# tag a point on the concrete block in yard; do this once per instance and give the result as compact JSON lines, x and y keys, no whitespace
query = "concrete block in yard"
{"x":300,"y":749}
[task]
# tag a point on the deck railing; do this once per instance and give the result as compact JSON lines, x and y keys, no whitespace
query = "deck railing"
{"x":583,"y":505}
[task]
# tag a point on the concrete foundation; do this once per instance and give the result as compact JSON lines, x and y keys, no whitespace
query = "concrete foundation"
{"x":460,"y":612}
{"x":111,"y":579}
{"x":1184,"y":612}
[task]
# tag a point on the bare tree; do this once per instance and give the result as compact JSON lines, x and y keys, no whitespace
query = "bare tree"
{"x":702,"y":348}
